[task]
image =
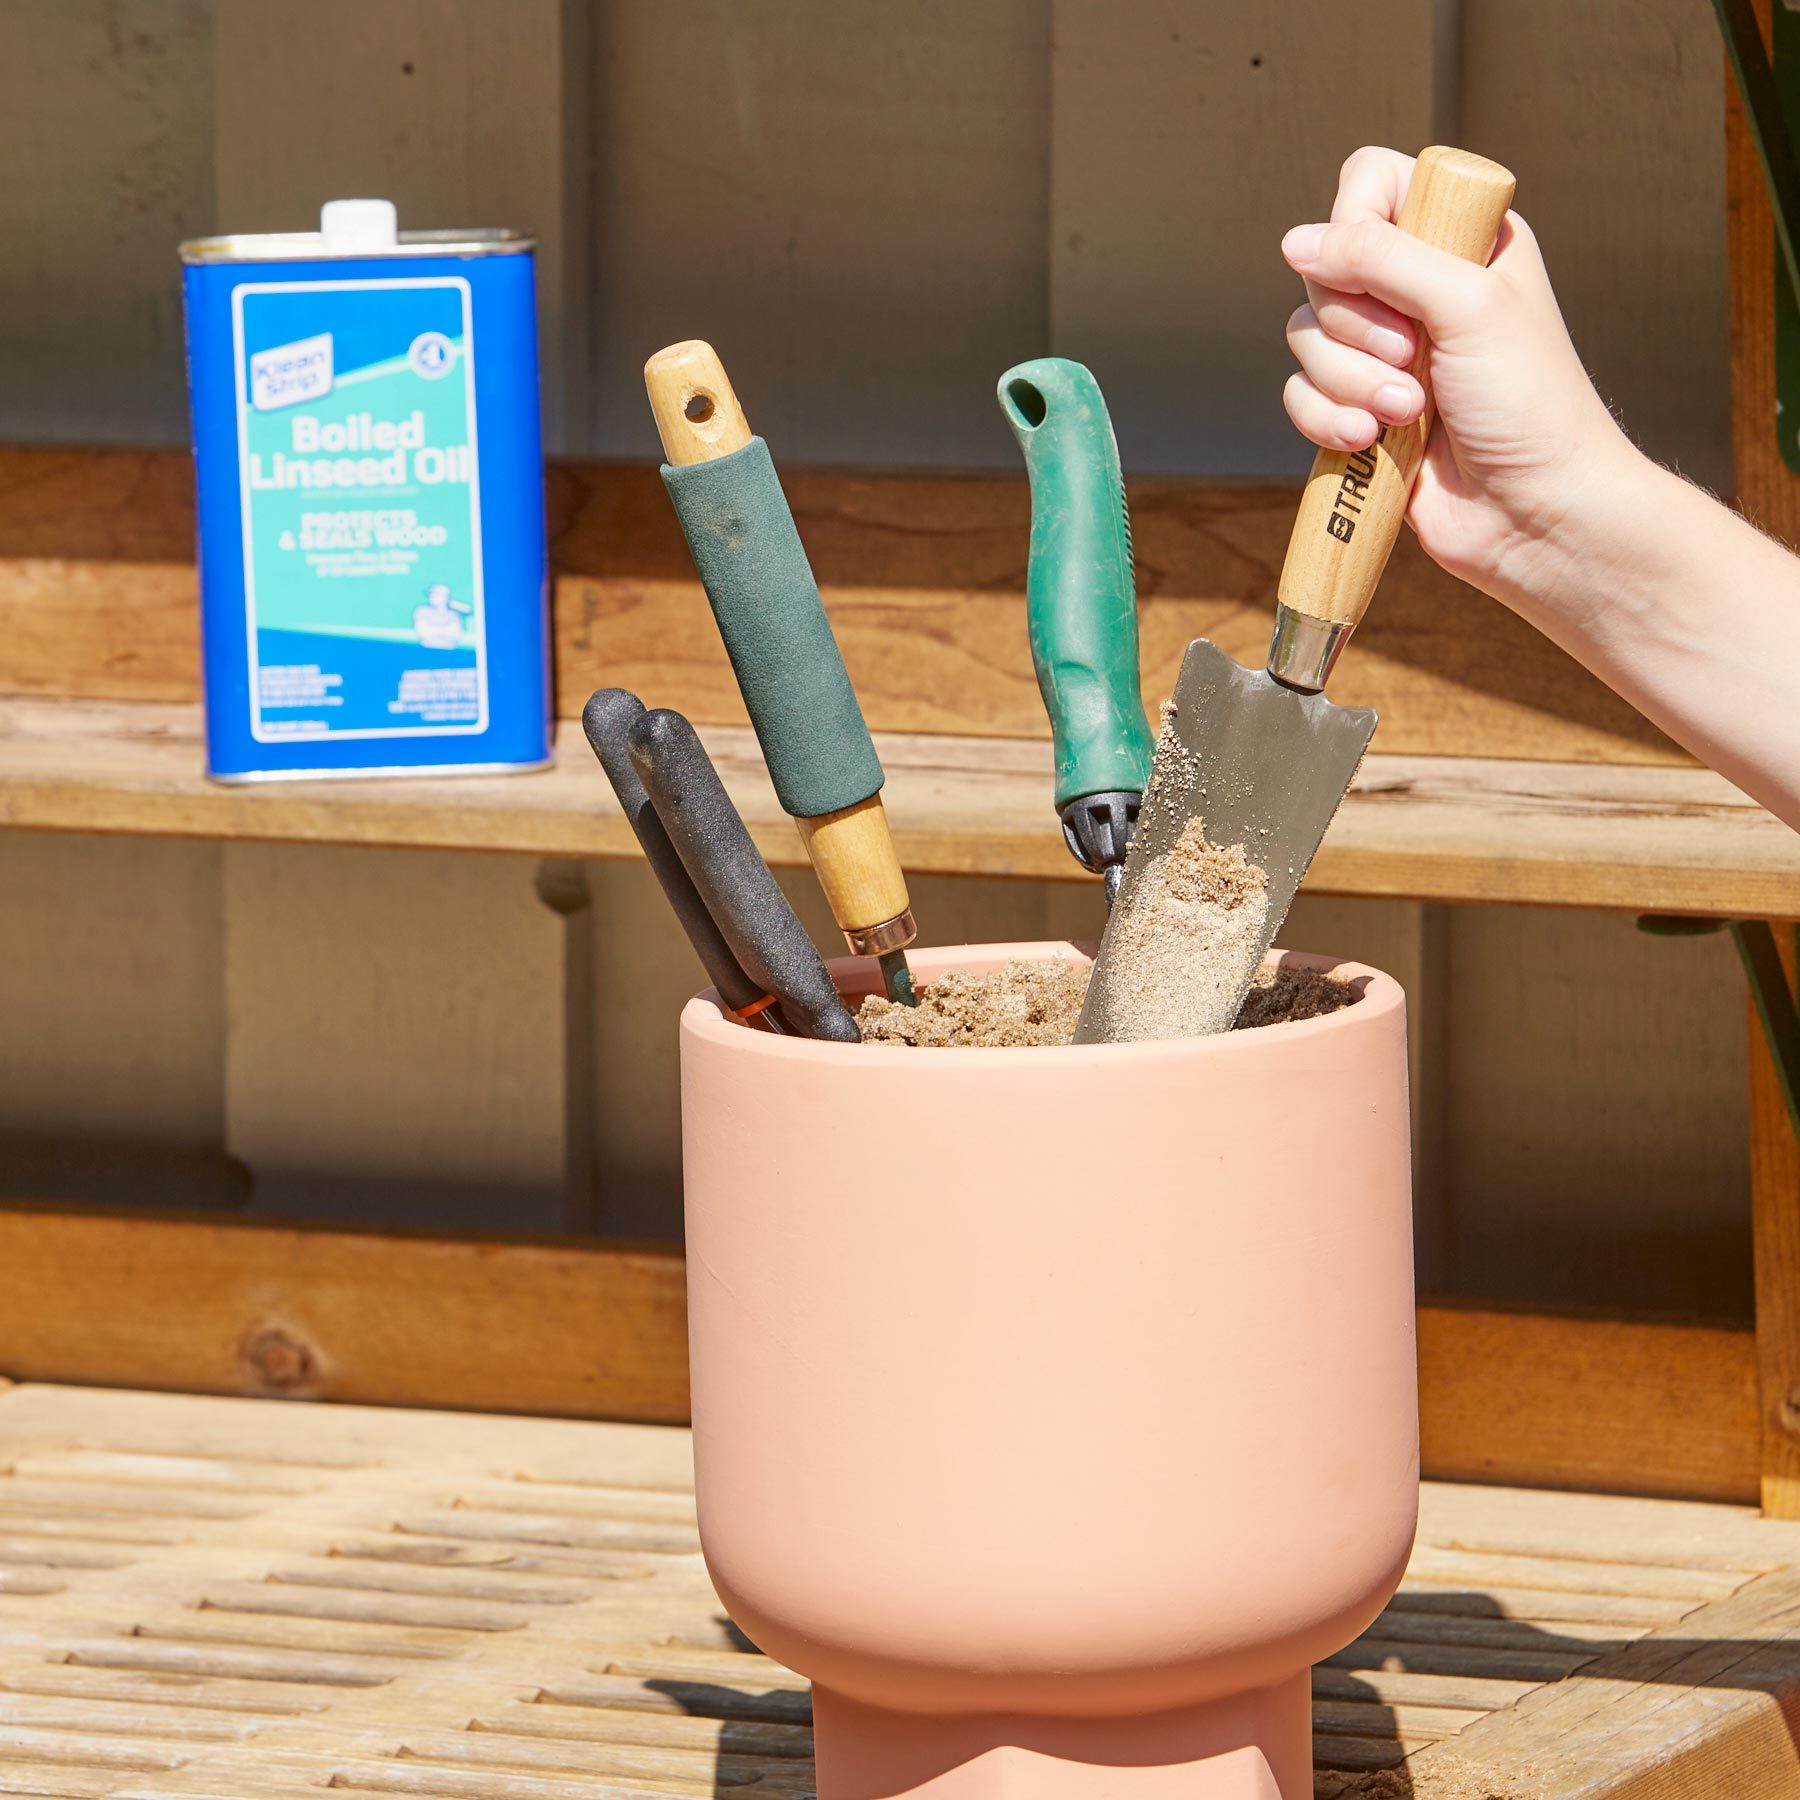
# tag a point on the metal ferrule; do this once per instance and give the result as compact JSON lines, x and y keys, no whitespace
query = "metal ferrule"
{"x":877,"y":940}
{"x":1303,"y":650}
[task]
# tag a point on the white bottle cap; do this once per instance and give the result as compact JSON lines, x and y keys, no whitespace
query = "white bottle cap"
{"x":360,"y":224}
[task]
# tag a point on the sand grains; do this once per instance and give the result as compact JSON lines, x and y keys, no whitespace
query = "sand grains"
{"x":1028,"y":1005}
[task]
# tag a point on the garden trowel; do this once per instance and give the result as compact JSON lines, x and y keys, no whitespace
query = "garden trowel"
{"x":1260,"y":756}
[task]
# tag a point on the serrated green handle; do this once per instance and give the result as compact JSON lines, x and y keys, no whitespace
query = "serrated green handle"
{"x":1080,"y":593}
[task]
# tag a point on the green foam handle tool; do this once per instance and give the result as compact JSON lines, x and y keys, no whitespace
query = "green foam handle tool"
{"x":1081,"y":604}
{"x":760,"y":586}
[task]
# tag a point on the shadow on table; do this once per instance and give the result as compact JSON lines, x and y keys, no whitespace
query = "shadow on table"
{"x":1367,"y":1716}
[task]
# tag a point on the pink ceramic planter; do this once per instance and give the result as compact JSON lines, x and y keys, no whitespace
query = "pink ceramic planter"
{"x":1054,"y":1410}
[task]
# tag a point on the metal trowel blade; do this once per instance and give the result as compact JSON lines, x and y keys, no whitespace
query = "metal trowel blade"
{"x":1263,"y":766}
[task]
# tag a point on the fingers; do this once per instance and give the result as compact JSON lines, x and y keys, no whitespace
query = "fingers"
{"x":1369,"y":256}
{"x":1330,"y":425}
{"x":1371,"y":185}
{"x":1364,"y":324}
{"x":1351,"y":377}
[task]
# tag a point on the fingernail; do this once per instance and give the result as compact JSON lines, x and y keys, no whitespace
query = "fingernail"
{"x":1301,"y":245}
{"x":1388,"y":344}
{"x":1392,"y":400}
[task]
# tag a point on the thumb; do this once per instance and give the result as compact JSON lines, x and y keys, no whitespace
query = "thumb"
{"x":1371,"y":256}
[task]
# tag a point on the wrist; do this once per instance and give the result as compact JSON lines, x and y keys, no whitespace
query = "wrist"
{"x":1574,"y":547}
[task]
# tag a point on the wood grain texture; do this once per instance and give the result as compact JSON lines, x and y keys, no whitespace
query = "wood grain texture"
{"x":1695,"y":1709}
{"x":694,"y":404}
{"x":407,"y":1038}
{"x":216,"y":1597}
{"x":1433,"y":828}
{"x":1597,"y":1404}
{"x":1766,"y":492}
{"x":923,"y":576}
{"x":1775,"y":1227}
{"x":852,"y":851}
{"x":595,"y":1331}
{"x":1770,"y":495}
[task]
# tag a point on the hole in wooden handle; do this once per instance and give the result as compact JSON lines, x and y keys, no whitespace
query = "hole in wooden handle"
{"x":699,"y":408}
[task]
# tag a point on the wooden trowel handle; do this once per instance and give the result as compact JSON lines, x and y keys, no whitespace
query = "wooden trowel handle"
{"x":697,"y":412}
{"x":1355,"y":500}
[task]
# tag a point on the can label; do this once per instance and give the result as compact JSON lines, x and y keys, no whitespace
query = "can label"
{"x":357,"y":467}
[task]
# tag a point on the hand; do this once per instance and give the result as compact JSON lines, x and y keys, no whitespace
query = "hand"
{"x":1525,"y":443}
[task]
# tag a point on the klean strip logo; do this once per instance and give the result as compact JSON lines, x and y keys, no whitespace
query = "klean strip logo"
{"x":289,"y":373}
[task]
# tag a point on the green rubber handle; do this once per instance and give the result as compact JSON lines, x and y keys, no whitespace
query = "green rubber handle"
{"x":1080,"y":593}
{"x":782,"y":648}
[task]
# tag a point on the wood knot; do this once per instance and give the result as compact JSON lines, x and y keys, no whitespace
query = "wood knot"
{"x":1790,"y":1412}
{"x":276,"y":1360}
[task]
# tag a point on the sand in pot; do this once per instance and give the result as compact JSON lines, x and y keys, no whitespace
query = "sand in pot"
{"x":1019,"y":1005}
{"x":1026,"y":1005}
{"x":1178,"y":948}
{"x":1182,"y":939}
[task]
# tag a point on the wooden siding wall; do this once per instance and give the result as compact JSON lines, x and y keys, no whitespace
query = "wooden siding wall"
{"x":873,"y":210}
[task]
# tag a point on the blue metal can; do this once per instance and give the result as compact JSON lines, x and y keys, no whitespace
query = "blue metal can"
{"x":373,"y":578}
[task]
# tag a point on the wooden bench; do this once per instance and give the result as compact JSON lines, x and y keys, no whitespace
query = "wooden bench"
{"x":1555,"y":794}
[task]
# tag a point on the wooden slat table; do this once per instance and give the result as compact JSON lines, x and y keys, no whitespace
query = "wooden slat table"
{"x":218,"y":1598}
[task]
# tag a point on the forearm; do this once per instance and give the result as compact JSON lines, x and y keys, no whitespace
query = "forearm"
{"x":1687,"y":611}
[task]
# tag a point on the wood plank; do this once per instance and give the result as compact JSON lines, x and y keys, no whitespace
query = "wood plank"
{"x":593,"y":1330}
{"x":1588,"y":1403}
{"x":636,"y":1688}
{"x":375,"y":1072}
{"x":110,"y":1060}
{"x":1625,"y":1052}
{"x":597,"y":1331}
{"x":1766,"y":492}
{"x":924,"y":577}
{"x":1146,"y":96}
{"x":847,"y":342}
{"x":1435,"y":828}
{"x":1775,"y":1225}
{"x":1693,"y":1710}
{"x":1770,"y":495}
{"x":1608,"y":113}
{"x":105,"y":129}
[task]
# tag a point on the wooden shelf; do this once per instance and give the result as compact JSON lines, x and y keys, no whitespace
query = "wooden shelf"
{"x":219,"y":1597}
{"x":1636,"y":837}
{"x":598,"y":1329}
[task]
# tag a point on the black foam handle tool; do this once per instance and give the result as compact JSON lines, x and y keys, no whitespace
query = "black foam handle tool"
{"x":607,"y":719}
{"x":752,"y":913}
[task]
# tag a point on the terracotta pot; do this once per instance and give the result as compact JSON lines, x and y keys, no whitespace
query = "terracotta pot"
{"x":1054,"y":1410}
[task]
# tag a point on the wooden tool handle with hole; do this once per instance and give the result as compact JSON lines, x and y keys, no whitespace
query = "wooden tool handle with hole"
{"x":697,"y":413}
{"x":818,"y":748}
{"x":1355,"y":501}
